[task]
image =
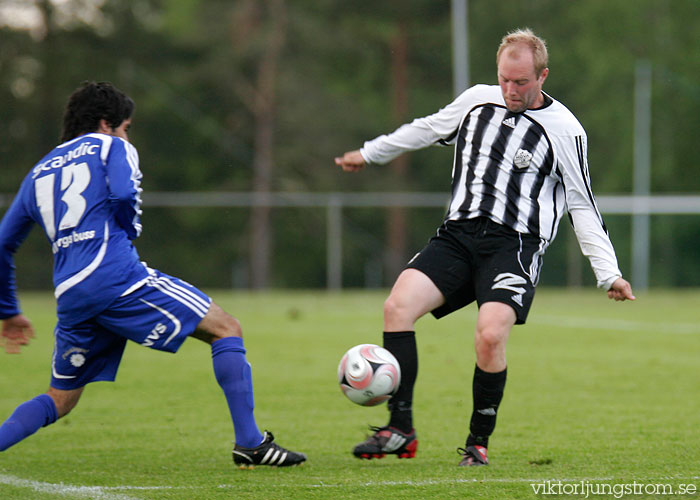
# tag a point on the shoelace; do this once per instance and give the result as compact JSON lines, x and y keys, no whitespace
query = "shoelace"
{"x":464,"y":453}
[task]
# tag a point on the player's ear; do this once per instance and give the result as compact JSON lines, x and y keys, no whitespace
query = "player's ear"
{"x":103,"y":127}
{"x":543,"y":75}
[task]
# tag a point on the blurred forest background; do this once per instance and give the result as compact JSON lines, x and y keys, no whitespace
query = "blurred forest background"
{"x":260,"y":95}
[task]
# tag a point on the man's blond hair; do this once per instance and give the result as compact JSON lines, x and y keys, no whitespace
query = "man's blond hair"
{"x":526,"y":37}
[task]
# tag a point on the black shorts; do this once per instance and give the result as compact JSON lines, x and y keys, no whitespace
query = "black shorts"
{"x":478,"y":259}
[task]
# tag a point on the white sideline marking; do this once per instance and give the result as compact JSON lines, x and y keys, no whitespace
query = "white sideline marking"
{"x":614,"y":324}
{"x":429,"y":482}
{"x":92,"y":492}
{"x":104,"y":492}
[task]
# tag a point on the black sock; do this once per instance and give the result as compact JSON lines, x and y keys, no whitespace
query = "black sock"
{"x":403,"y":346}
{"x":487,"y":394}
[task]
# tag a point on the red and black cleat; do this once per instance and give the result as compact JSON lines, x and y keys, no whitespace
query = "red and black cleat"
{"x":473,"y":456}
{"x":387,"y":441}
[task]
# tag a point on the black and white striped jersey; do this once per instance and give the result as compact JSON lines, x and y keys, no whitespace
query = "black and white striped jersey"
{"x":522,"y":170}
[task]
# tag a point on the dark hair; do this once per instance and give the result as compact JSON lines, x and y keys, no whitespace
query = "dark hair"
{"x":92,"y":102}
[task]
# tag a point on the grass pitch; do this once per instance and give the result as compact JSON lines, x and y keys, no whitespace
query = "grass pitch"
{"x":599,"y":395}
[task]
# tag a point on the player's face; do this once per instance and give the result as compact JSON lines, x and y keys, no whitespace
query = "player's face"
{"x":520,"y":85}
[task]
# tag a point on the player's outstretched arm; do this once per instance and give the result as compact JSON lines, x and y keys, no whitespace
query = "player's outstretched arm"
{"x":352,"y":161}
{"x":621,"y":290}
{"x":16,"y":332}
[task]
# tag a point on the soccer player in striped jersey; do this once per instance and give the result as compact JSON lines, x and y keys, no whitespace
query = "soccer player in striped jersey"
{"x":520,"y":162}
{"x":86,"y":196}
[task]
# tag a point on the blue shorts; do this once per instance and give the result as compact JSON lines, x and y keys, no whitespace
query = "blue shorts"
{"x":159,"y":313}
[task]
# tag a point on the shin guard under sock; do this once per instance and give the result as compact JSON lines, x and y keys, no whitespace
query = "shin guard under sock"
{"x":233,"y":374}
{"x":27,"y":418}
{"x":487,"y":394}
{"x":403,"y":346}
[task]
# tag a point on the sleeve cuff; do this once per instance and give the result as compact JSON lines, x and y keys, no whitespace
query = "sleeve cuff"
{"x":607,"y":284}
{"x":364,"y":156}
{"x":7,"y":315}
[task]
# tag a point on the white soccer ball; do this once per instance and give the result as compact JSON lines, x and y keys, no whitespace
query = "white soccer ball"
{"x":368,"y":374}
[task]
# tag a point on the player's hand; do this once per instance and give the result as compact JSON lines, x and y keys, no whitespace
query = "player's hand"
{"x":621,"y":290}
{"x":352,"y":161}
{"x":16,"y":332}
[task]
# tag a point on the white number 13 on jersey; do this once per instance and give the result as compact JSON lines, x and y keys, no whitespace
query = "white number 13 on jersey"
{"x":75,"y":178}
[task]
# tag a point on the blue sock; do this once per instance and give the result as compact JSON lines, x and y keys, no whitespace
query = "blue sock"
{"x":27,"y":418}
{"x":233,"y":374}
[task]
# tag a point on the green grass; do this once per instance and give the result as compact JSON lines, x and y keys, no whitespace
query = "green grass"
{"x":598,"y":391}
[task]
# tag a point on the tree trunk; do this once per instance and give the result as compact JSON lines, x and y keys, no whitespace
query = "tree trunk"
{"x":264,"y":116}
{"x":48,"y":135}
{"x":397,"y":226}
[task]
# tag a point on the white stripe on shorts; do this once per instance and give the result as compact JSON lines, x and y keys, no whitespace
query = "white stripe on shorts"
{"x":196,"y":299}
{"x":187,"y":298}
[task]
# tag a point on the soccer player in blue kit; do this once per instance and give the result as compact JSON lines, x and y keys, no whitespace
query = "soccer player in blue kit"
{"x":85,"y":194}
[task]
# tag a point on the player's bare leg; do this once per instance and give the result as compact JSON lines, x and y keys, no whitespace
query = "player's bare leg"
{"x":217,"y":324}
{"x":412,"y":296}
{"x":65,"y":401}
{"x":493,"y":327}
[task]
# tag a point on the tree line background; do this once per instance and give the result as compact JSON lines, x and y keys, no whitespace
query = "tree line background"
{"x":260,"y":95}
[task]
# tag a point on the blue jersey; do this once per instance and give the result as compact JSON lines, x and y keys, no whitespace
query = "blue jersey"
{"x":85,"y":194}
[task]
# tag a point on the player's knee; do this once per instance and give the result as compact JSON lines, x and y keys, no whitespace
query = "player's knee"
{"x":395,"y":309}
{"x":221,"y":324}
{"x":216,"y":325}
{"x":489,"y":339}
{"x":232,"y":327}
{"x":490,"y":349}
